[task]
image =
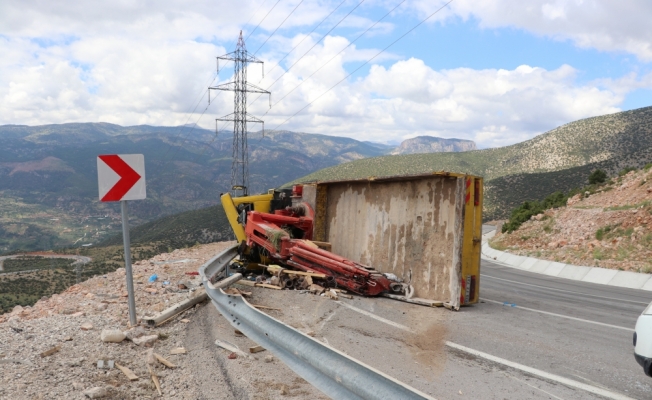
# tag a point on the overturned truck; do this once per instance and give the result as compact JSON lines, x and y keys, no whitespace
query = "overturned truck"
{"x":414,"y":237}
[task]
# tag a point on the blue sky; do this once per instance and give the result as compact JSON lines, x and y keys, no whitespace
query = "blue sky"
{"x":497,"y":71}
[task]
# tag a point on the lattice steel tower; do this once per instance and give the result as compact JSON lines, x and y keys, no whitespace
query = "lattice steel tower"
{"x":240,"y":87}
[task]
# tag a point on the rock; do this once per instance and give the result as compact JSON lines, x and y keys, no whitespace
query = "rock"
{"x":101,"y":307}
{"x":232,"y":356}
{"x":136,"y":332}
{"x":269,"y":359}
{"x":112,"y":336}
{"x":151,"y":360}
{"x":77,"y":386}
{"x":145,"y":340}
{"x":96,"y":393}
{"x":17,"y":310}
{"x":86,"y":326}
{"x":77,"y":314}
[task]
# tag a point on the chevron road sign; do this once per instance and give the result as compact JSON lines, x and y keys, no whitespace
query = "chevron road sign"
{"x":121,"y":177}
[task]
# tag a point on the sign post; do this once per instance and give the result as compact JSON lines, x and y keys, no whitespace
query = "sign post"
{"x":121,"y":178}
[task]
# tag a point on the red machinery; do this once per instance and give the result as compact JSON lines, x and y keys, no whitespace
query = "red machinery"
{"x":268,"y":233}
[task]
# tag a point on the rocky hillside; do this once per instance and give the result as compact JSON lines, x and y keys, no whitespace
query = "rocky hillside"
{"x":611,"y":228}
{"x":431,"y":144}
{"x":569,"y":153}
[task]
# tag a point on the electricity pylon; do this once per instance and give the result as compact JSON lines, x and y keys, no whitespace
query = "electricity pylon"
{"x":240,"y":87}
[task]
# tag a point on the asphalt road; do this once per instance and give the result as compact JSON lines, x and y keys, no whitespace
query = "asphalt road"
{"x":532,"y":337}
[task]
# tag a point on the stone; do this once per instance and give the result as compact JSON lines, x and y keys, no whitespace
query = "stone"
{"x":77,"y":314}
{"x":269,"y":359}
{"x":136,"y":332}
{"x":17,"y":310}
{"x":96,"y":393}
{"x":145,"y":340}
{"x":151,"y":360}
{"x":101,"y":307}
{"x":86,"y":326}
{"x":77,"y":386}
{"x":112,"y":336}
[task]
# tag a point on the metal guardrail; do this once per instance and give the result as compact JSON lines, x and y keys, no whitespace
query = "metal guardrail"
{"x":329,"y":370}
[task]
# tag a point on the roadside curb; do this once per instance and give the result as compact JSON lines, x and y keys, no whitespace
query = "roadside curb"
{"x":603,"y":276}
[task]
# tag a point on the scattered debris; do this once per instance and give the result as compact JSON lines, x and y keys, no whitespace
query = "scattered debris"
{"x":128,"y":373}
{"x":155,"y":380}
{"x":178,"y":350}
{"x":269,"y":359}
{"x":256,"y":349}
{"x":164,"y":361}
{"x":112,"y":336}
{"x":230,"y":347}
{"x":51,"y":351}
{"x":96,"y":393}
{"x":145,"y":340}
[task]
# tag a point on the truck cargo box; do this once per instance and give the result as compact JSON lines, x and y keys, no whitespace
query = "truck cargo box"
{"x":425,"y":229}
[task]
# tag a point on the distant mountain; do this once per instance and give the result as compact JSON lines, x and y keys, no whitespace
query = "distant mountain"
{"x":556,"y":160}
{"x":431,"y":144}
{"x":48,"y":176}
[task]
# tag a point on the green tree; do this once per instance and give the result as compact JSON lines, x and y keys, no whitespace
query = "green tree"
{"x":598,"y":176}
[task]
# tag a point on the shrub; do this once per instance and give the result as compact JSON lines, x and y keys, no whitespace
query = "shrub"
{"x":598,"y":176}
{"x":626,"y":170}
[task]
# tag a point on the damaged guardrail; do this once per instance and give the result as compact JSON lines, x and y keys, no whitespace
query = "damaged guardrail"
{"x":331,"y":371}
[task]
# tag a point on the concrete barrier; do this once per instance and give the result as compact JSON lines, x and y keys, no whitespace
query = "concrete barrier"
{"x":612,"y":277}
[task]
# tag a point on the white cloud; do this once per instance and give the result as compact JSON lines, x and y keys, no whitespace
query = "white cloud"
{"x":606,"y":25}
{"x":133,"y":63}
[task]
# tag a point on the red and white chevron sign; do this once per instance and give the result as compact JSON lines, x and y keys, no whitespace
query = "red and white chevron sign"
{"x":121,"y":177}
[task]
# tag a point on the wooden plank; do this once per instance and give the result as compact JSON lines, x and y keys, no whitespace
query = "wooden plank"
{"x":155,"y":380}
{"x":246,"y":282}
{"x":303,"y":273}
{"x":229,"y":347}
{"x":164,"y":361}
{"x":178,"y":350}
{"x":128,"y":373}
{"x":256,"y":349}
{"x":51,"y":351}
{"x":268,"y":286}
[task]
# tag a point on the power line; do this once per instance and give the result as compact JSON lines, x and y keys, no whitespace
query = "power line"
{"x":261,"y":21}
{"x":365,"y":63}
{"x":277,"y":28}
{"x":304,"y":38}
{"x":316,"y":43}
{"x":340,"y":52}
{"x":254,"y":14}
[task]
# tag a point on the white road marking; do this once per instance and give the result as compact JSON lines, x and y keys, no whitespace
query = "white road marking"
{"x":542,"y":374}
{"x":533,"y":371}
{"x":562,"y":316}
{"x":561,"y":290}
{"x":374,"y":316}
{"x":535,"y":387}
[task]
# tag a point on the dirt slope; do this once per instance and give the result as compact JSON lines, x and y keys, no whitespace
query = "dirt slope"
{"x":611,"y":228}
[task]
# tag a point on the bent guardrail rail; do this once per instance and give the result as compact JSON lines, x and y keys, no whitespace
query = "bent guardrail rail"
{"x":329,"y":370}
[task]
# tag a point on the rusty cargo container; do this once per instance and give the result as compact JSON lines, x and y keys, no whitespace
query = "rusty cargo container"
{"x":425,"y":229}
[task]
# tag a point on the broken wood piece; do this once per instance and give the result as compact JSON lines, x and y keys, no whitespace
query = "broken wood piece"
{"x":128,"y":373}
{"x":265,"y":307}
{"x":256,"y":349}
{"x":338,"y":290}
{"x":246,"y":282}
{"x":51,"y":351}
{"x":316,"y":289}
{"x":178,"y":350}
{"x":238,"y":333}
{"x":164,"y":361}
{"x":303,"y":273}
{"x":346,"y":296}
{"x":229,"y":347}
{"x":176,"y":309}
{"x":268,"y":286}
{"x":155,"y":380}
{"x":322,"y":245}
{"x":332,"y":294}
